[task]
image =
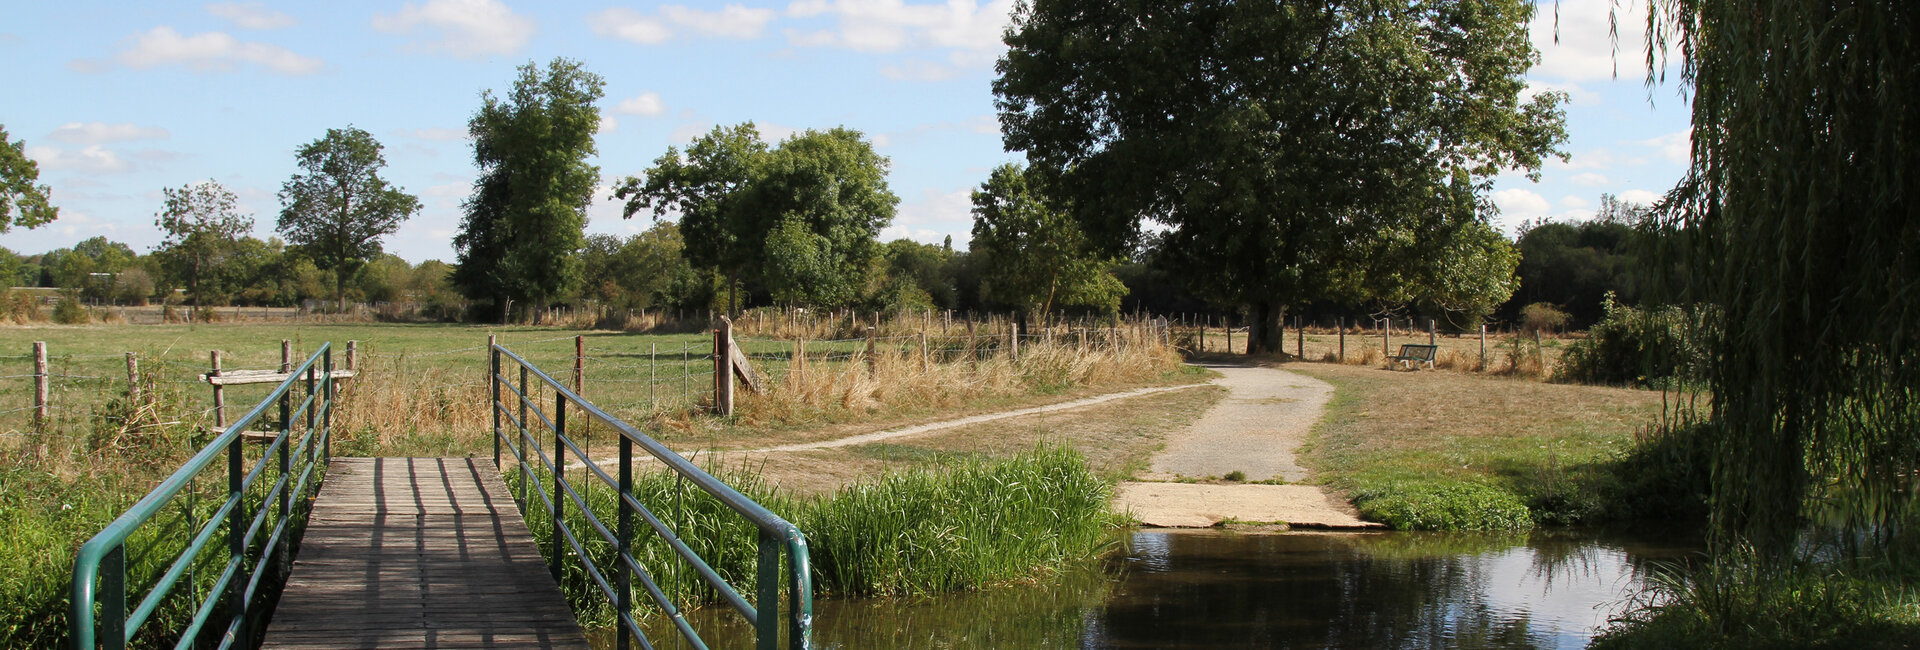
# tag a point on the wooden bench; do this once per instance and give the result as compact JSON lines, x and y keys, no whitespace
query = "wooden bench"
{"x":1412,"y":354}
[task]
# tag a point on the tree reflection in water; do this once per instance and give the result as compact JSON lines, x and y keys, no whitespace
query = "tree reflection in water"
{"x":1210,"y":589}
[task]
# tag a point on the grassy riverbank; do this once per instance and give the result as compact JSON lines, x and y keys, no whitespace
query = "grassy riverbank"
{"x":1451,"y":451}
{"x":951,"y":526}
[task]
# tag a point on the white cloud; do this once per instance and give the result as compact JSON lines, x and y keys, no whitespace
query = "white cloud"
{"x":434,"y":133}
{"x":933,"y":216}
{"x":467,"y":28}
{"x":101,"y":132}
{"x":983,"y":124}
{"x":730,"y":21}
{"x":1588,"y":179}
{"x":629,"y":25}
{"x":453,"y":191}
{"x":918,"y":70}
{"x":251,"y":15}
{"x":608,"y":124}
{"x":1641,"y":197}
{"x":1590,"y":159}
{"x":1676,"y":147}
{"x":970,"y":30}
{"x":1584,"y":50}
{"x":92,"y":159}
{"x":645,"y":104}
{"x":1576,"y":94}
{"x":1518,"y":203}
{"x":206,"y":52}
{"x":1571,"y":202}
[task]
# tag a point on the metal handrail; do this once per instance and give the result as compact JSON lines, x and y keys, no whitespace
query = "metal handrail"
{"x":100,"y":566}
{"x":776,"y":534}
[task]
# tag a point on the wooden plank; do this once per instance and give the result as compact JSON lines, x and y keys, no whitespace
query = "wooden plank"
{"x":242,"y":377}
{"x":419,"y":553}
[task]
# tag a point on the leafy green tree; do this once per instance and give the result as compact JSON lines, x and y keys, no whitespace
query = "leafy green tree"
{"x":638,"y":272}
{"x":21,"y":202}
{"x":1574,"y":265}
{"x":801,"y":219}
{"x":1280,"y":145}
{"x":1797,"y":223}
{"x":1035,"y":255}
{"x":337,"y":207}
{"x":203,"y":228}
{"x":926,"y":268}
{"x":522,"y":233}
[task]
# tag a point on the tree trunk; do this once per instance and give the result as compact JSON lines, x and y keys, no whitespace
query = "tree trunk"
{"x":1263,"y":327}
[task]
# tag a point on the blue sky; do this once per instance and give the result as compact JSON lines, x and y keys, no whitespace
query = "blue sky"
{"x":118,"y":100}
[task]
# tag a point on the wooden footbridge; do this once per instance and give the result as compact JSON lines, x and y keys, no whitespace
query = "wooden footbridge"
{"x":409,"y":552}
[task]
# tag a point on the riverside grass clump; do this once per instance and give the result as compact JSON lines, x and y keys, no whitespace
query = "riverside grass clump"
{"x":1444,"y":505}
{"x":958,"y":526}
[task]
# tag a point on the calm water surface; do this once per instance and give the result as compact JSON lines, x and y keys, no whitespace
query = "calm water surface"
{"x":1181,"y":589}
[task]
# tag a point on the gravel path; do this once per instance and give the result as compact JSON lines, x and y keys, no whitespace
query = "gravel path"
{"x":1266,"y":414}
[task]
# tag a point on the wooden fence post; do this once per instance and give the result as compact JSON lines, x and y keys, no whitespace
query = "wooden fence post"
{"x":1386,"y":338}
{"x":1300,"y":349}
{"x":1340,"y":323}
{"x":219,"y":392}
{"x":40,"y":387}
{"x":1483,"y":347}
{"x":133,"y":378}
{"x":925,"y":365}
{"x":873,"y":361}
{"x":722,"y":368}
{"x":969,"y":338}
{"x":1013,"y":342}
{"x":1227,"y":324}
{"x":286,"y":356}
{"x":353,"y":351}
{"x":1203,"y":332}
{"x":798,"y":368}
{"x":1432,"y":336}
{"x":579,"y":365}
{"x":1539,"y":353}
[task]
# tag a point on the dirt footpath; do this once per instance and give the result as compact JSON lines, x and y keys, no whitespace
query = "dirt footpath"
{"x":1265,"y":417}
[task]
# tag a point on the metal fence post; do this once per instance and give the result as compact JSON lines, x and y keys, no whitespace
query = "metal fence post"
{"x":493,"y":392}
{"x":559,"y":481}
{"x":624,"y":576}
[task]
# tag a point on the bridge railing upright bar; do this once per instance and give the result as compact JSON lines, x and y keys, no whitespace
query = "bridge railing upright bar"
{"x":98,"y":614}
{"x":527,"y":423}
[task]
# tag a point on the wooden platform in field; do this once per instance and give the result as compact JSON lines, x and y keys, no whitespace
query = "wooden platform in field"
{"x":419,"y":553}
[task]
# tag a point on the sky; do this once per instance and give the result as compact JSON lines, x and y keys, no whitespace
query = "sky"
{"x":117,"y":100}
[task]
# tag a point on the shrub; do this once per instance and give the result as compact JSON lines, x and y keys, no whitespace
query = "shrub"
{"x":69,"y":312}
{"x":1435,"y":505}
{"x":1542,"y":317}
{"x":1664,"y":346}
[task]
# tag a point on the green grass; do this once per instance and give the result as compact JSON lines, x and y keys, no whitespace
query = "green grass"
{"x":960,"y":525}
{"x":1445,"y":451}
{"x":1733,"y":602}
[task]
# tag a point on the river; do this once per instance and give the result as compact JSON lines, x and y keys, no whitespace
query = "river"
{"x":1213,"y":589}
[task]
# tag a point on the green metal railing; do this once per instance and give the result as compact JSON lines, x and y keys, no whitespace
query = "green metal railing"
{"x":99,"y":608}
{"x":775,"y":534}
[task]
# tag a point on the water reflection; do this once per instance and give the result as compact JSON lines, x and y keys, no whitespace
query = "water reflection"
{"x":1180,"y":589}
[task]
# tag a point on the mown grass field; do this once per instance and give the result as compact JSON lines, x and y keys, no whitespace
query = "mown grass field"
{"x":1393,"y":435}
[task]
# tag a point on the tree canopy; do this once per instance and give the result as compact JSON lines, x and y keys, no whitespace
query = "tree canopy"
{"x":337,"y":207}
{"x":204,"y":226}
{"x":800,"y":219}
{"x":524,"y":223}
{"x":1285,"y":148}
{"x":1035,"y":254}
{"x":21,"y":202}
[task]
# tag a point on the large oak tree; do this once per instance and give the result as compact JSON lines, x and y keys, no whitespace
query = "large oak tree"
{"x":525,"y":223}
{"x":1293,"y":151}
{"x":337,"y":208}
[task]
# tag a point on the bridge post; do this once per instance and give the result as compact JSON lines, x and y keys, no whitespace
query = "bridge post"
{"x":624,"y":575}
{"x":493,"y":391}
{"x":559,"y":481}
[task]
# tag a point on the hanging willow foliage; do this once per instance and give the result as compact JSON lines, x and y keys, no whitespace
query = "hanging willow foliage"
{"x":1797,"y":220}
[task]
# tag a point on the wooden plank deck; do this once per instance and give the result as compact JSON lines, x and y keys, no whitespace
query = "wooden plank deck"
{"x":419,"y":553}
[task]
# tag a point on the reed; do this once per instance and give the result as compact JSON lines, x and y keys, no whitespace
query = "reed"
{"x":961,"y":525}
